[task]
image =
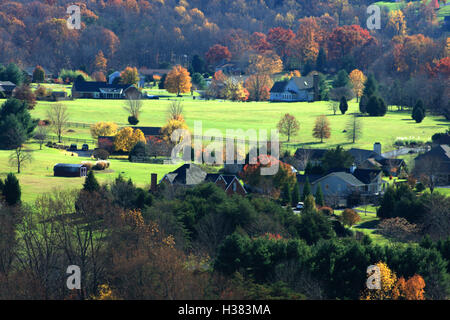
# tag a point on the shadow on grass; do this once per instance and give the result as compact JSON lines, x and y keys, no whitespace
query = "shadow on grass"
{"x":368,"y":225}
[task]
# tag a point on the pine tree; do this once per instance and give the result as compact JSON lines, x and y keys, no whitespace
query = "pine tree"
{"x":418,"y":112}
{"x":306,"y":189}
{"x":11,"y":190}
{"x":309,"y":205}
{"x":370,"y":86}
{"x":321,"y":60}
{"x":286,"y":194}
{"x":319,"y":196}
{"x":91,"y":183}
{"x":343,"y":105}
{"x":295,"y":195}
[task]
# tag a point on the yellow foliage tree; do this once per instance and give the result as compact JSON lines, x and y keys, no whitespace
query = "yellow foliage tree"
{"x":127,"y":138}
{"x":388,"y":285}
{"x":105,"y":293}
{"x":100,"y":61}
{"x":357,"y":79}
{"x":269,"y":63}
{"x":129,"y":75}
{"x":178,"y":80}
{"x":170,"y":127}
{"x":396,"y":23}
{"x":105,"y":129}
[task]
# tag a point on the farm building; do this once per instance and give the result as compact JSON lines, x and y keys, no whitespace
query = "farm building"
{"x":103,"y":90}
{"x":69,"y":170}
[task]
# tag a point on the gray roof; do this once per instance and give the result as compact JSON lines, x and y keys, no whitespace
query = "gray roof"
{"x":187,"y":174}
{"x":279,"y":86}
{"x":304,"y":83}
{"x":347,"y":177}
{"x":361,"y":155}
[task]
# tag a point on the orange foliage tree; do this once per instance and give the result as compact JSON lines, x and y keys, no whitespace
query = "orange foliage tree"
{"x":258,"y":86}
{"x":357,"y":78}
{"x":129,"y":75}
{"x":178,"y":80}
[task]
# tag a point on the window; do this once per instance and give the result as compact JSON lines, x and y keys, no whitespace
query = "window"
{"x":234,"y":187}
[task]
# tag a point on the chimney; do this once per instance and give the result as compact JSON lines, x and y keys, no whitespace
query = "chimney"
{"x":377,"y":148}
{"x":316,"y":86}
{"x":154,"y":182}
{"x":352,"y":168}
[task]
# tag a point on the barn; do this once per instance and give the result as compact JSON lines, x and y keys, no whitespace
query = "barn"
{"x":69,"y":170}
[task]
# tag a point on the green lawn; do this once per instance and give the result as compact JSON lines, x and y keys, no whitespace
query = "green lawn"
{"x":37,"y":177}
{"x":224,"y":115}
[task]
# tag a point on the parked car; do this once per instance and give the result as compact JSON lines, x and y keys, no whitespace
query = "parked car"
{"x":85,"y":147}
{"x":152,"y":97}
{"x":73,"y":147}
{"x":300,"y":206}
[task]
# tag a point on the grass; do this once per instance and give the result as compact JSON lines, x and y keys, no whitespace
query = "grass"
{"x":37,"y":178}
{"x":225,"y":115}
{"x":442,"y":12}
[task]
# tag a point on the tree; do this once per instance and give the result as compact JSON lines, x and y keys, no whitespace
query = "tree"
{"x":103,"y":129}
{"x":199,"y":81}
{"x":19,"y":157}
{"x":178,"y":80}
{"x":341,"y":79}
{"x":127,"y":138}
{"x":337,"y":159}
{"x":90,"y":183}
{"x":217,"y":53}
{"x":58,"y":116}
{"x":198,"y":64}
{"x":12,"y":73}
{"x":41,"y":135}
{"x":357,"y":78}
{"x":354,"y":128}
{"x":376,"y":107}
{"x":412,"y":289}
{"x":38,"y":75}
{"x":99,"y":76}
{"x":11,"y":190}
{"x":175,"y":111}
{"x":258,"y":86}
{"x":350,"y":217}
{"x":370,"y":86}
{"x":16,"y":124}
{"x":343,"y":105}
{"x":129,"y":76}
{"x":321,"y":61}
{"x":295,"y":195}
{"x":268,"y":63}
{"x":363,"y":104}
{"x":288,"y":126}
{"x":280,"y":39}
{"x":333,"y":106}
{"x":24,"y":93}
{"x":286,"y":194}
{"x":170,"y":127}
{"x":418,"y":112}
{"x":133,"y":106}
{"x":306,"y":189}
{"x":100,"y":62}
{"x":321,"y":128}
{"x":388,"y":280}
{"x":319,"y":196}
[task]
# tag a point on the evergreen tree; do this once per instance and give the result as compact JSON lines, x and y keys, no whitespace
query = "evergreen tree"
{"x":343,"y":105}
{"x":341,"y":79}
{"x":295,"y":195}
{"x":321,"y":61}
{"x":382,"y":108}
{"x":161,"y":84}
{"x":309,"y":204}
{"x":286,"y":194}
{"x":319,"y":196}
{"x":198,"y":64}
{"x":91,"y":183}
{"x":11,"y":190}
{"x":370,"y":86}
{"x":306,"y":189}
{"x":363,"y":104}
{"x":418,"y":112}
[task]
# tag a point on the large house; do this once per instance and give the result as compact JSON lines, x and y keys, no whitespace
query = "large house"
{"x":103,"y":90}
{"x":338,"y":185}
{"x":296,"y":89}
{"x":435,"y":164}
{"x":7,"y":88}
{"x":190,"y":174}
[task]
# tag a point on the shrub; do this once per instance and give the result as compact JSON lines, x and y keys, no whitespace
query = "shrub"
{"x":88,"y":165}
{"x":326,"y":210}
{"x":100,"y":165}
{"x":133,"y":120}
{"x":101,"y":154}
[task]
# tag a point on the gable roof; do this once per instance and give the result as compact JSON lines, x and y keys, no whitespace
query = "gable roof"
{"x":345,"y":176}
{"x":361,"y":155}
{"x":442,"y":151}
{"x":99,"y":86}
{"x":7,"y":86}
{"x":187,"y":174}
{"x":304,"y":83}
{"x":279,"y":86}
{"x":366,"y":175}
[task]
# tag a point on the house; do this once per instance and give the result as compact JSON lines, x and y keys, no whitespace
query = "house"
{"x":69,"y":170}
{"x":191,"y":174}
{"x":435,"y":164}
{"x":113,"y":76}
{"x":150,"y":131}
{"x":29,"y":73}
{"x":7,"y":88}
{"x":296,"y":89}
{"x":103,"y":90}
{"x":313,"y":156}
{"x":228,"y":67}
{"x":338,"y":185}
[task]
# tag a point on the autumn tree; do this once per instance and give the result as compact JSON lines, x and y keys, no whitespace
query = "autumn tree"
{"x":24,"y":93}
{"x":258,"y":86}
{"x":178,"y":80}
{"x":388,"y":280}
{"x":170,"y":127}
{"x":234,"y":91}
{"x":175,"y":111}
{"x":129,"y":75}
{"x":344,"y":39}
{"x":288,"y":126}
{"x":396,"y":24}
{"x":357,"y":78}
{"x":217,"y":53}
{"x":98,"y":76}
{"x":280,"y":40}
{"x":412,"y":289}
{"x":105,"y":129}
{"x":268,"y":63}
{"x":100,"y":62}
{"x":127,"y":138}
{"x":349,"y":217}
{"x":133,"y":105}
{"x":38,"y":75}
{"x":321,"y":128}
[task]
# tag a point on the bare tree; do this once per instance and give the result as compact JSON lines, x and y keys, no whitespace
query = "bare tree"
{"x":303,"y":156}
{"x":354,"y":128}
{"x":41,"y":135}
{"x":427,"y":170}
{"x":58,"y":116}
{"x":133,"y":106}
{"x":333,"y":106}
{"x":19,"y":157}
{"x":175,"y":110}
{"x":288,"y":126}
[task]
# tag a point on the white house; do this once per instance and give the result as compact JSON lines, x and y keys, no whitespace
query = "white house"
{"x":296,"y":89}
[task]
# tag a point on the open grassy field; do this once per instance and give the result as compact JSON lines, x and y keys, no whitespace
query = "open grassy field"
{"x":37,"y":178}
{"x":224,"y":115}
{"x":443,"y":11}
